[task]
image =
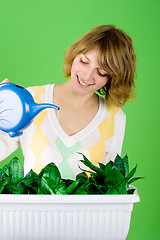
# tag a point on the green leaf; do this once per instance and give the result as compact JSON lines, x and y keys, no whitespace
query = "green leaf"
{"x":92,"y":189}
{"x":90,"y":165}
{"x":4,"y":183}
{"x":72,"y":187}
{"x":102,"y":166}
{"x":40,"y":191}
{"x":45,"y":187}
{"x":118,"y":163}
{"x":108,"y":168}
{"x":82,"y":189}
{"x":103,"y":189}
{"x":93,"y":184}
{"x":61,"y":188}
{"x":131,"y":173}
{"x":135,"y":179}
{"x":31,"y":178}
{"x":16,"y":171}
{"x":83,"y":176}
{"x":15,"y":189}
{"x":98,"y":178}
{"x":122,"y":188}
{"x":126,"y":165}
{"x":51,"y":175}
{"x":67,"y":182}
{"x":31,"y":182}
{"x":114,"y":177}
{"x":112,"y":191}
{"x":3,"y":171}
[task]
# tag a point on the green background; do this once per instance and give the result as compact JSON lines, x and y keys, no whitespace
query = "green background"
{"x":33,"y":37}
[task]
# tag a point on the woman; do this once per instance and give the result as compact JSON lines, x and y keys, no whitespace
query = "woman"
{"x":101,"y":70}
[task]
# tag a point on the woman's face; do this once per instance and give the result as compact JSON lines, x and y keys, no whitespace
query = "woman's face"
{"x":86,"y":74}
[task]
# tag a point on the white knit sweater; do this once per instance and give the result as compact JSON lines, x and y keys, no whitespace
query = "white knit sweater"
{"x":44,"y":141}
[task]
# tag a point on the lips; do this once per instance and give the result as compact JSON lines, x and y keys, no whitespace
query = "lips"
{"x":82,"y":83}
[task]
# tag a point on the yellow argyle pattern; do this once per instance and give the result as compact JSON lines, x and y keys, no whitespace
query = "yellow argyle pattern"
{"x":39,"y":140}
{"x":106,"y":131}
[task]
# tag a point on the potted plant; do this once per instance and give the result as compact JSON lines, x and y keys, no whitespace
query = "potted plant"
{"x":97,"y":205}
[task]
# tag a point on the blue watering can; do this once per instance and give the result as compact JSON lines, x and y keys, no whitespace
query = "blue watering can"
{"x":17,"y":108}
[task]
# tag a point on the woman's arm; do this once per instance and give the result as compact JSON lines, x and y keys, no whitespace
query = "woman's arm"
{"x":7,"y":145}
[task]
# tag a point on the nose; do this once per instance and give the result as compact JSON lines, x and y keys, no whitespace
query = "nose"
{"x":89,"y":75}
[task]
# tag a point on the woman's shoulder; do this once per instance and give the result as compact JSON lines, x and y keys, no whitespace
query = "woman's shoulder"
{"x":112,"y":109}
{"x":40,"y":90}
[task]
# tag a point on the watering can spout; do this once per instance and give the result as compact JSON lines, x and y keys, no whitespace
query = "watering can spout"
{"x":37,"y":108}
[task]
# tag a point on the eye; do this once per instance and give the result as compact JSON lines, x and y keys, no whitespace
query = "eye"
{"x":102,"y":75}
{"x":82,"y":61}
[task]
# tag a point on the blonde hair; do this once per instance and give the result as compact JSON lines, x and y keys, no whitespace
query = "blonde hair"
{"x":116,"y":56}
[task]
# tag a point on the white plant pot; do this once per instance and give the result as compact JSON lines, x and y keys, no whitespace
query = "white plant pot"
{"x":65,"y":217}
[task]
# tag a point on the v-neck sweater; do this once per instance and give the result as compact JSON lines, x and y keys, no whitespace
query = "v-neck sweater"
{"x":44,"y":141}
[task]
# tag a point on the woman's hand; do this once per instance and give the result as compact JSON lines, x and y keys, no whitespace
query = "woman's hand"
{"x":5,"y":80}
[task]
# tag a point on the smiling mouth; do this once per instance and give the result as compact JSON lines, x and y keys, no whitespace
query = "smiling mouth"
{"x":82,"y":83}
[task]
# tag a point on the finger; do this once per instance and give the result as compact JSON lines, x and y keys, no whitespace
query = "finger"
{"x":5,"y":80}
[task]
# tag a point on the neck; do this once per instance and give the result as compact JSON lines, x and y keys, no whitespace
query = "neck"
{"x":73,"y":99}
